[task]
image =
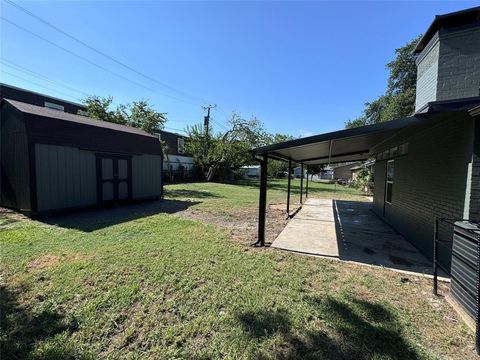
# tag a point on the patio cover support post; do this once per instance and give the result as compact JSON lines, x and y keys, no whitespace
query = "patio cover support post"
{"x":306,"y":187}
{"x":262,"y":208}
{"x":289,"y":185}
{"x":301,"y":184}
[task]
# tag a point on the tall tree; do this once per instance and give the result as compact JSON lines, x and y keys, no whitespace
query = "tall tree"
{"x":314,"y":169}
{"x":275,"y":167}
{"x":139,"y":114}
{"x":399,"y":98}
{"x":227,"y":150}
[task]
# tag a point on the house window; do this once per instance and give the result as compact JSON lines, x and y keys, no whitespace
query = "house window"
{"x":390,"y":176}
{"x":403,"y":149}
{"x":394,"y":151}
{"x":53,"y":106}
{"x":181,"y":144}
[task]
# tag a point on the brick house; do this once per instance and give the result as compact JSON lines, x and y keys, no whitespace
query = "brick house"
{"x":428,"y":164}
{"x":439,"y":174}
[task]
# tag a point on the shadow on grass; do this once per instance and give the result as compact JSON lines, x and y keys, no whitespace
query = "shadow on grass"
{"x":192,"y":194}
{"x":99,"y":218}
{"x":21,"y":329}
{"x":354,"y":329}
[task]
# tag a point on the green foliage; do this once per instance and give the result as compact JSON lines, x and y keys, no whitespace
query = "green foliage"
{"x":363,"y":180}
{"x":276,"y":167}
{"x":399,"y":98}
{"x":218,"y":153}
{"x":314,"y":169}
{"x":139,"y":114}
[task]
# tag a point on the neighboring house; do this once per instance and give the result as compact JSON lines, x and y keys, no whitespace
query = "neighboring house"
{"x":250,"y":172}
{"x":297,"y":172}
{"x":370,"y":165}
{"x":343,"y":172}
{"x":30,"y":97}
{"x":177,"y":157}
{"x":54,"y":160}
{"x":326,"y":173}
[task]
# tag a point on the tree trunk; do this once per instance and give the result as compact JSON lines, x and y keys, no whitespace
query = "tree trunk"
{"x":211,"y":172}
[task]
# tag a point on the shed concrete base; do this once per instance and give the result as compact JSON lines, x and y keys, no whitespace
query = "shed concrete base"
{"x":350,"y":231}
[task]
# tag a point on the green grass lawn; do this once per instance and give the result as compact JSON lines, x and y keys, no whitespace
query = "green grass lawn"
{"x":135,"y":282}
{"x":229,"y":198}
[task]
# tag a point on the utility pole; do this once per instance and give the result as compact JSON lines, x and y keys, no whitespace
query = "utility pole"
{"x":206,"y":121}
{"x":206,"y":125}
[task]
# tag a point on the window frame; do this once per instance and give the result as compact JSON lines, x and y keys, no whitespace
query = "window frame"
{"x":389,"y":181}
{"x":182,"y":146}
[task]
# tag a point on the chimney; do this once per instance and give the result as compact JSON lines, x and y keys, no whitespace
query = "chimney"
{"x":448,"y":63}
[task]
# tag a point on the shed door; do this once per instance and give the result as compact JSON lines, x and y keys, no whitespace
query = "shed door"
{"x":114,"y":180}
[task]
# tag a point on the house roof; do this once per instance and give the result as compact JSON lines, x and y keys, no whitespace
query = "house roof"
{"x":171,"y":140}
{"x":31,"y":97}
{"x":359,"y":143}
{"x":365,"y":164}
{"x":446,"y":21}
{"x":48,"y":126}
{"x":84,"y":120}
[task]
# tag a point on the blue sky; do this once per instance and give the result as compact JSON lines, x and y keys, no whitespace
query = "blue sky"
{"x":300,"y":67}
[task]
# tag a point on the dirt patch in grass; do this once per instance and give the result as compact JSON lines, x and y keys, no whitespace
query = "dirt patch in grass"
{"x":243,"y":224}
{"x":8,"y":217}
{"x":43,"y":262}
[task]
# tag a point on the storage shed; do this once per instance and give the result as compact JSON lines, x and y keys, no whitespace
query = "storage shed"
{"x":52,"y":160}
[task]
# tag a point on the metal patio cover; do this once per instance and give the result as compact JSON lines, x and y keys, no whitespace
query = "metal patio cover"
{"x":338,"y":146}
{"x":360,"y":143}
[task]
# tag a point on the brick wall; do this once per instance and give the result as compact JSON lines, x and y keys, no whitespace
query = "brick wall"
{"x":459,"y":64}
{"x":475,"y":179}
{"x":427,"y":71}
{"x":449,"y":67}
{"x":429,"y":181}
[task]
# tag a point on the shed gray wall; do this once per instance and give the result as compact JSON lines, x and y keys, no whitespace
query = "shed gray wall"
{"x":146,"y":176}
{"x":429,"y":181}
{"x":14,"y":160}
{"x":66,"y":177}
{"x":449,"y":67}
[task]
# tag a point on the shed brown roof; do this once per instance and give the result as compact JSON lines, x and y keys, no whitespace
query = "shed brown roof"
{"x":48,"y":126}
{"x":85,"y":120}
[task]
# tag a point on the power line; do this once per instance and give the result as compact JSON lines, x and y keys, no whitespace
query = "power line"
{"x":29,"y":72}
{"x":65,"y":94}
{"x":219,"y":124}
{"x":74,"y":54}
{"x":101,"y":52}
{"x":173,"y":129}
{"x":92,"y":62}
{"x":40,"y":85}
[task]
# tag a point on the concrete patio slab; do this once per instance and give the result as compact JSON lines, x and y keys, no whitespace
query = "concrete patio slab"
{"x":349,"y":231}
